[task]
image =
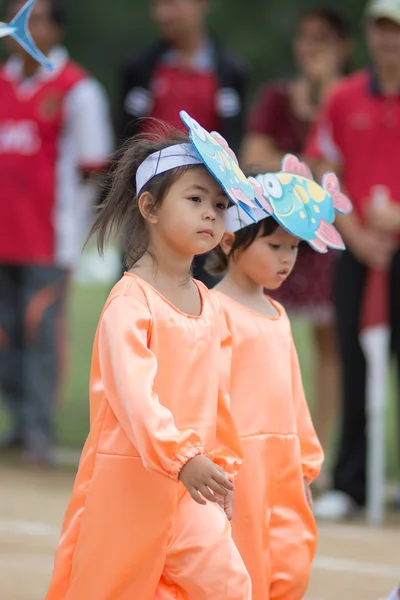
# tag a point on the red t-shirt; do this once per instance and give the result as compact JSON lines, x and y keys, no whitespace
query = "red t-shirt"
{"x":51,"y":126}
{"x":176,"y":88}
{"x":359,"y":129}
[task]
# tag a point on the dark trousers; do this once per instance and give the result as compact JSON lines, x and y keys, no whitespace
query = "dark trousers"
{"x":350,"y":468}
{"x":31,"y":301}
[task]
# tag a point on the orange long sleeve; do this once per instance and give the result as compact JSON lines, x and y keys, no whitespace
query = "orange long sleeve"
{"x":131,"y":529}
{"x":227,"y":453}
{"x":273,"y":525}
{"x":128,"y":369}
{"x":312,"y":455}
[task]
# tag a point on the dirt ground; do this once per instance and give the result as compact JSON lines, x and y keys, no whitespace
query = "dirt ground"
{"x":354,"y":562}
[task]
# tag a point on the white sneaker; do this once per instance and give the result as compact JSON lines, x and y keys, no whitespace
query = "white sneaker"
{"x":335,"y":506}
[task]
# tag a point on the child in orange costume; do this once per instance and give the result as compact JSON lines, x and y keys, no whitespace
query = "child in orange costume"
{"x":161,"y":432}
{"x":273,"y":526}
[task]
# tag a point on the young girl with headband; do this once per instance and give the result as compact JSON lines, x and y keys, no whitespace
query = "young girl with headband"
{"x":273,"y":526}
{"x":148,"y":514}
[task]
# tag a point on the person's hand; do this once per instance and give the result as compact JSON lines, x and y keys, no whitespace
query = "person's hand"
{"x":227,"y":503}
{"x":383,"y":217}
{"x":308,"y":493}
{"x":373,"y":249}
{"x":201,"y":475}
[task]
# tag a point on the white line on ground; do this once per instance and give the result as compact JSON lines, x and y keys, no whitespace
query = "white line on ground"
{"x":30,"y":528}
{"x":328,"y":563}
{"x":352,"y":532}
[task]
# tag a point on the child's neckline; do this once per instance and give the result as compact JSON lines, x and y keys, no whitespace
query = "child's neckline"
{"x":255,"y":312}
{"x":173,"y":306}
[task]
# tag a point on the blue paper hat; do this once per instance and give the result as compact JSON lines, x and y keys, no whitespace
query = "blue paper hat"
{"x":18,"y":29}
{"x":301,"y":206}
{"x":222,"y":163}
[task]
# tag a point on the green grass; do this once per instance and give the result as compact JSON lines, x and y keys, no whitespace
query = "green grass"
{"x":86,"y":303}
{"x":85,"y":308}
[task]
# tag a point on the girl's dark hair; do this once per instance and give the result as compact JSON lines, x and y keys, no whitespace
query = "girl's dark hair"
{"x":119,"y":213}
{"x":332,"y":16}
{"x":217,"y":262}
{"x":58,"y":9}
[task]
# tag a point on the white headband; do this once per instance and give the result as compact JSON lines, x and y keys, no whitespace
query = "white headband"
{"x":237,"y":218}
{"x":169,"y":158}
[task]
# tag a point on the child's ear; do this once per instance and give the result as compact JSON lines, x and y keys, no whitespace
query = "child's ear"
{"x":147,"y":208}
{"x":227,"y":242}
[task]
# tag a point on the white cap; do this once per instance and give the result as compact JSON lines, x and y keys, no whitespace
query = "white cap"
{"x":383,"y":9}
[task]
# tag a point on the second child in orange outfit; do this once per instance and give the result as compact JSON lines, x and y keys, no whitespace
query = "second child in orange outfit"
{"x":273,"y":526}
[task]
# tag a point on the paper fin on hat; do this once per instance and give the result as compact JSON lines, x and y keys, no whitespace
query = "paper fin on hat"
{"x":330,"y":236}
{"x":318,"y":245}
{"x":291,"y":164}
{"x":222,"y":163}
{"x":222,"y":141}
{"x":19,"y":30}
{"x":259,"y":195}
{"x":341,"y":202}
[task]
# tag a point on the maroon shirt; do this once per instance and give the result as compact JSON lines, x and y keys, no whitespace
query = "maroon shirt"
{"x":272,"y":115}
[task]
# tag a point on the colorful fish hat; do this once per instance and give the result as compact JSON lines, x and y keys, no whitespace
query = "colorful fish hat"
{"x":210,"y":150}
{"x":222,"y":163}
{"x":301,"y":206}
{"x":18,"y":29}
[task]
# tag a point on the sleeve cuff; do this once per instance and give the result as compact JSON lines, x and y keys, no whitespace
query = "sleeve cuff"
{"x":182,"y":459}
{"x":311,"y":475}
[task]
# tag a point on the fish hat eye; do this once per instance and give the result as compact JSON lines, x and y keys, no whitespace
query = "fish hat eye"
{"x":272,"y":186}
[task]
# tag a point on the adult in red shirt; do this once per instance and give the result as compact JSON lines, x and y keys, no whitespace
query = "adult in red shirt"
{"x":279,"y":123}
{"x":358,"y":135}
{"x":186,"y":70}
{"x":54,"y":131}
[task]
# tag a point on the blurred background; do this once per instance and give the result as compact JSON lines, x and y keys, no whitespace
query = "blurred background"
{"x":101,"y":37}
{"x":104,"y":38}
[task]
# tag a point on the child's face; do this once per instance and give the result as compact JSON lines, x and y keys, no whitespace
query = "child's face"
{"x":176,"y":19}
{"x":191,"y":218}
{"x":269,"y":260}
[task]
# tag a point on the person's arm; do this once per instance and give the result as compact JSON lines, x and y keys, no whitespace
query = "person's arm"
{"x":231,"y":97}
{"x":323,"y":153}
{"x":227,"y":452}
{"x":89,"y":137}
{"x":134,"y":102}
{"x":312,"y":455}
{"x":259,"y":151}
{"x":128,"y":369}
{"x":385,"y":218}
{"x":88,"y":116}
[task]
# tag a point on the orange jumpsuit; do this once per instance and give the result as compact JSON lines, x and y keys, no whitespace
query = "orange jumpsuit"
{"x":158,"y":396}
{"x":273,"y":526}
